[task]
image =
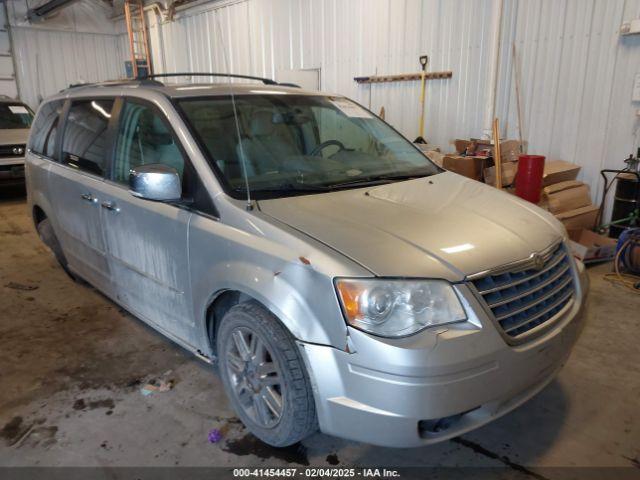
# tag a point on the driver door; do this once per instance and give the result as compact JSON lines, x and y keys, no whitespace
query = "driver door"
{"x":146,"y":240}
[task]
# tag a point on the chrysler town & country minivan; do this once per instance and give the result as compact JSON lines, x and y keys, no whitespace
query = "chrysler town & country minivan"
{"x":340,"y":280}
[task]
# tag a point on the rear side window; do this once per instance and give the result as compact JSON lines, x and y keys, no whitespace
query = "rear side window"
{"x":45,"y":126}
{"x":84,"y":144}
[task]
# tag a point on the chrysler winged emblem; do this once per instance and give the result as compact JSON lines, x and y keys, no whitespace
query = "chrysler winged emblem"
{"x":538,"y":261}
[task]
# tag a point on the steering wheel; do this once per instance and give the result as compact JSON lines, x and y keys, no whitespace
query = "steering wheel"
{"x":316,"y":151}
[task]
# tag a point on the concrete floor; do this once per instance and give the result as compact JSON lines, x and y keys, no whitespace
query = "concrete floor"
{"x":72,"y":364}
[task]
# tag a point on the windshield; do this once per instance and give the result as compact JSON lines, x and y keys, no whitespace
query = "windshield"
{"x":15,"y":116}
{"x":300,"y":144}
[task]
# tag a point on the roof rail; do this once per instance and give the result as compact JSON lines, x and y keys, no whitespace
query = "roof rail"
{"x":266,"y":81}
{"x":114,"y":83}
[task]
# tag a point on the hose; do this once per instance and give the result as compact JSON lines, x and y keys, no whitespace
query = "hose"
{"x":624,"y":258}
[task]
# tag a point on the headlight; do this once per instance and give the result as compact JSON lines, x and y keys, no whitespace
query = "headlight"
{"x":397,"y":308}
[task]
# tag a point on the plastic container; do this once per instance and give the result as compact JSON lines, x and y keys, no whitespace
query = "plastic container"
{"x":529,"y":177}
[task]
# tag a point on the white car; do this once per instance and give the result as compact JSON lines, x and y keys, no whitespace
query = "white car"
{"x":15,"y":122}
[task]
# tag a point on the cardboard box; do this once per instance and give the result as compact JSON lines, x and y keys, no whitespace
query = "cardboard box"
{"x":435,"y":157}
{"x":470,"y":167}
{"x":565,"y":196}
{"x":461,"y":145}
{"x":509,"y":170}
{"x":590,"y":247}
{"x":510,"y":151}
{"x":579,"y":218}
{"x":556,"y":171}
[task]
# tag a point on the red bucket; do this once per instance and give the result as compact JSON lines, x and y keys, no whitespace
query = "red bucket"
{"x":529,"y":177}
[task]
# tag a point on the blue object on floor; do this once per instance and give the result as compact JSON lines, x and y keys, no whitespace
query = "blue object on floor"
{"x":629,"y":242}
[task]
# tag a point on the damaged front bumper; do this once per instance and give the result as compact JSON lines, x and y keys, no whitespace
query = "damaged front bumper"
{"x":436,"y":385}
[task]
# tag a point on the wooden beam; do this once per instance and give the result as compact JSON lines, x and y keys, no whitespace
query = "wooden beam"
{"x":404,"y":77}
{"x":497,"y":160}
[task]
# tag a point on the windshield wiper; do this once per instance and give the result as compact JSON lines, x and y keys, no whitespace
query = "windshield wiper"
{"x":292,"y":187}
{"x":378,"y":179}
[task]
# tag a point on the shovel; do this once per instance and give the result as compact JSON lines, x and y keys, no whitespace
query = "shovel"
{"x":424,"y":60}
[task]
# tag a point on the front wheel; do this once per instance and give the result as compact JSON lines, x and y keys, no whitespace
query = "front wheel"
{"x":264,"y":376}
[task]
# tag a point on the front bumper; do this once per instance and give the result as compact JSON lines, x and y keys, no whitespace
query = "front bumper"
{"x":435,"y":385}
{"x":11,"y":170}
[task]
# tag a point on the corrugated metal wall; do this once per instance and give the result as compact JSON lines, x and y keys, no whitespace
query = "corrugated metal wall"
{"x":576,"y":71}
{"x":347,"y":39}
{"x":576,"y":80}
{"x":78,"y":44}
{"x":49,"y":61}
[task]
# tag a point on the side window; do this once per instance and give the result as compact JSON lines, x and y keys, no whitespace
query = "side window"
{"x":43,"y":130}
{"x":143,"y":139}
{"x":84,"y":143}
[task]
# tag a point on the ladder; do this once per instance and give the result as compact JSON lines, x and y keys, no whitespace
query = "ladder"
{"x":138,"y":42}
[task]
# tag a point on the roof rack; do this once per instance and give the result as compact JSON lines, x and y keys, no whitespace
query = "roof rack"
{"x":150,"y":80}
{"x":114,"y":83}
{"x":266,"y":81}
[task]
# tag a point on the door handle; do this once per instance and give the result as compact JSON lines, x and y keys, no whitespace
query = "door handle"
{"x":111,"y":206}
{"x":88,"y":197}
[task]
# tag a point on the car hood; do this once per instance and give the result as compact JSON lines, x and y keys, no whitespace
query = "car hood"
{"x":443,"y":226}
{"x":10,"y":136}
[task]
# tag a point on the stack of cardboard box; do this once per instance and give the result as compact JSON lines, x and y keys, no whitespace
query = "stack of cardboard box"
{"x":568,"y":199}
{"x":473,"y":159}
{"x":509,"y":153}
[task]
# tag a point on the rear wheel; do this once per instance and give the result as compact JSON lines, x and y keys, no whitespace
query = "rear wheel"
{"x":264,"y":376}
{"x":48,"y":237}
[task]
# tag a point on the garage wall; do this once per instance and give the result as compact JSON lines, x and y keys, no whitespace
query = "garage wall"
{"x":8,"y":85}
{"x":577,"y":72}
{"x":49,"y":61}
{"x":343,"y":40}
{"x":577,"y":79}
{"x":79,"y":44}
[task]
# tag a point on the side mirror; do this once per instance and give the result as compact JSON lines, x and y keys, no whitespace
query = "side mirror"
{"x":155,"y":182}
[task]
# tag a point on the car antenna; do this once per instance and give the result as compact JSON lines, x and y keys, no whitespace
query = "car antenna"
{"x":243,"y":160}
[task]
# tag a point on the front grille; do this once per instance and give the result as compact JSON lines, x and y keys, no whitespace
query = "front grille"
{"x":522,"y":300}
{"x":12,"y":150}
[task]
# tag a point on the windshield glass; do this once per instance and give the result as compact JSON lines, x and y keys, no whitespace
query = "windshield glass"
{"x":300,"y":143}
{"x":15,"y":116}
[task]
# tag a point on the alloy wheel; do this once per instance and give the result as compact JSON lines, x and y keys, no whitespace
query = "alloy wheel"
{"x":255,"y":377}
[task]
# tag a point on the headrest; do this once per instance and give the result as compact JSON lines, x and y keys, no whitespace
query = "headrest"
{"x":261,"y":123}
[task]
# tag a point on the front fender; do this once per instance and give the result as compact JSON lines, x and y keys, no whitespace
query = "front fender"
{"x":303,"y":299}
{"x":290,"y":277}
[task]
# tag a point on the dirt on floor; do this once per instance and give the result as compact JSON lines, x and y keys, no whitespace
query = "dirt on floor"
{"x":73,"y":367}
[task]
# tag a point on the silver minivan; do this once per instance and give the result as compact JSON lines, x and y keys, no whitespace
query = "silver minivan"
{"x":339,"y":279}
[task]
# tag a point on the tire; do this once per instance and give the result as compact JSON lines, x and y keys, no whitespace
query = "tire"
{"x":254,"y":380}
{"x":48,"y":237}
